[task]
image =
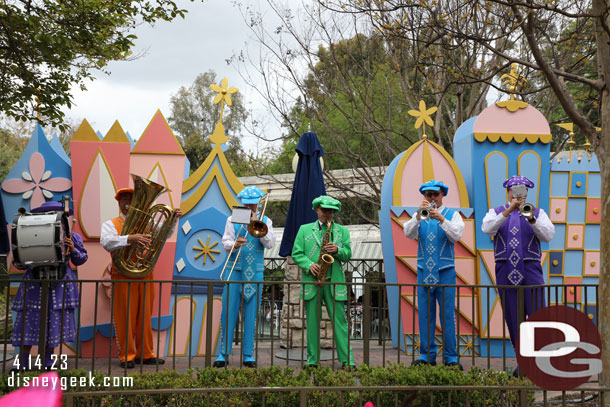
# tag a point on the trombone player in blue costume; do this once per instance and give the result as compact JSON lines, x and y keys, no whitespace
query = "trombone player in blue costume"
{"x":246,"y":260}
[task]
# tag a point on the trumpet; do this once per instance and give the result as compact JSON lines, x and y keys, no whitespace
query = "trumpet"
{"x":526,"y":209}
{"x":424,"y":213}
{"x":256,"y":228}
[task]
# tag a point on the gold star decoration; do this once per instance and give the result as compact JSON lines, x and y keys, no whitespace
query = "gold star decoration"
{"x":467,"y":345}
{"x":423,"y":116}
{"x":224,"y":94}
{"x":206,"y":250}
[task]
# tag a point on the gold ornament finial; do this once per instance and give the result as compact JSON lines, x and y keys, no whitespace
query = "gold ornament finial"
{"x":569,"y":127}
{"x":223,"y":96}
{"x":514,"y":80}
{"x":423,"y":116}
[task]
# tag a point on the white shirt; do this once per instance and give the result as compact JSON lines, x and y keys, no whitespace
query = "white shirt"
{"x":543,"y":228}
{"x":110,"y":239}
{"x":453,"y":228}
{"x":268,"y":241}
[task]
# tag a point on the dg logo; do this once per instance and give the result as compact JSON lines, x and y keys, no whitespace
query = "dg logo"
{"x":559,"y":348}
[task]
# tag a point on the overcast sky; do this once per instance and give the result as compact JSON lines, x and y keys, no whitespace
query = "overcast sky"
{"x":211,"y":32}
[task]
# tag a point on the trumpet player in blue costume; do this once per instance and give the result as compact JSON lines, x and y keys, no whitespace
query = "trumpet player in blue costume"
{"x":249,"y":267}
{"x":436,"y":265}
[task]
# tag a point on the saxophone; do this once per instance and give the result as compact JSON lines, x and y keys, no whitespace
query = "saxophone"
{"x":325,"y":259}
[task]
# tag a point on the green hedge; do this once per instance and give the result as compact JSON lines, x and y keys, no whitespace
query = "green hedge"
{"x":392,"y":375}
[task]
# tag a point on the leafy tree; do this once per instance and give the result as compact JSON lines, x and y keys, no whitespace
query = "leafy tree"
{"x":46,"y":47}
{"x":194,"y":116}
{"x":13,"y":148}
{"x":357,"y":86}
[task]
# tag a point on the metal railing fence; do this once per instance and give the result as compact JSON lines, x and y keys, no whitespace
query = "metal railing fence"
{"x":368,"y":325}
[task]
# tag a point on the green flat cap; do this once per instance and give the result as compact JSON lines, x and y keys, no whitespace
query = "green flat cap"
{"x":326,"y":202}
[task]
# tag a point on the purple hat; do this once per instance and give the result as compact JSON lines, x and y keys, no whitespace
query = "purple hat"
{"x":51,"y":206}
{"x":518,"y":180}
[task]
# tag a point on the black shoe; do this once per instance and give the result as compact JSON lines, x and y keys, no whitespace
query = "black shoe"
{"x":348,"y":367}
{"x":129,"y":364}
{"x":455,"y":364}
{"x":149,"y":361}
{"x":422,"y":362}
{"x":250,"y":364}
{"x":310,"y":366}
{"x":516,"y":372}
{"x":220,"y":363}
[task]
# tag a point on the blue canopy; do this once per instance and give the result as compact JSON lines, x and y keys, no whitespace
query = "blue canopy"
{"x":308,"y":184}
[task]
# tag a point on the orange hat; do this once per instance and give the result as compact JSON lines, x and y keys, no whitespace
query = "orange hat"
{"x":123,"y":191}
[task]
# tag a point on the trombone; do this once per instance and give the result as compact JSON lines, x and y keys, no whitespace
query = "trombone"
{"x":256,"y":228}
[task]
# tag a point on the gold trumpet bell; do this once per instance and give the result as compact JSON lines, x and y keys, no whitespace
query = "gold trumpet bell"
{"x":258,"y":229}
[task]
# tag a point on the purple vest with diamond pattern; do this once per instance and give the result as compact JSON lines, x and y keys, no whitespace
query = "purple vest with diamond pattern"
{"x":434,"y":251}
{"x":515,"y":243}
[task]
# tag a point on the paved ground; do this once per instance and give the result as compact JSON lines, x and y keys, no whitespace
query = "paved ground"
{"x":276,"y":356}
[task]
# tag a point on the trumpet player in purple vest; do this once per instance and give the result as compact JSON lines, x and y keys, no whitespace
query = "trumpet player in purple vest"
{"x":517,"y":233}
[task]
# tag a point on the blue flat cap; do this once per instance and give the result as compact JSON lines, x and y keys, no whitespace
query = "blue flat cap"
{"x":251,"y":195}
{"x":433,"y":185}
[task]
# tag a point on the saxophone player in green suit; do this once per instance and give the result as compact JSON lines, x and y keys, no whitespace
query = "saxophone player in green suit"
{"x":305,"y":253}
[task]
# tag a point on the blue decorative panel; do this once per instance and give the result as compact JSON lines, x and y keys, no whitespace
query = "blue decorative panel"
{"x":556,"y":263}
{"x":591,"y":311}
{"x":529,"y":165}
{"x":558,"y":241}
{"x":592,"y":237}
{"x":496,"y":172}
{"x":578,"y":184}
{"x":576,"y":210}
{"x":573,"y":263}
{"x":594,"y":185}
{"x":590,"y":290}
{"x":559,"y":184}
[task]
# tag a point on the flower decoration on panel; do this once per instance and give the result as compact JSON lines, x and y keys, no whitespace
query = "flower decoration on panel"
{"x":37,"y":184}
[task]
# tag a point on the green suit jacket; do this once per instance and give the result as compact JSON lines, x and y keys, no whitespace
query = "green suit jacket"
{"x":306,"y":251}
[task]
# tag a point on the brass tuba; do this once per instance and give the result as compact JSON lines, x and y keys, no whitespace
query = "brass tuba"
{"x":325,"y":259}
{"x":137,"y":261}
